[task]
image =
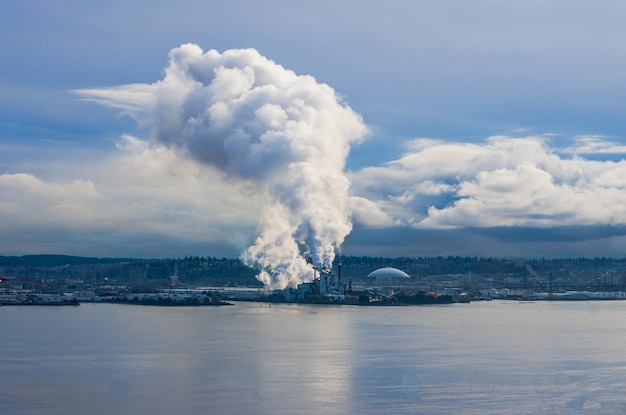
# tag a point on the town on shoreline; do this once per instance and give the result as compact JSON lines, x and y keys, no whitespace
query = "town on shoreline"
{"x":195,"y":281}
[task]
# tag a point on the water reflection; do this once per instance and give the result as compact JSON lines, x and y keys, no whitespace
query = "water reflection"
{"x":304,"y":360}
{"x":504,"y":358}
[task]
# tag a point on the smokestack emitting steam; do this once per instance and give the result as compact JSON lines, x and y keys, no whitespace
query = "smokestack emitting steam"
{"x":258,"y":122}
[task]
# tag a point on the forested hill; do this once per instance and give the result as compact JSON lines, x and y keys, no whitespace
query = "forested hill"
{"x":38,"y":261}
{"x":353,"y":266}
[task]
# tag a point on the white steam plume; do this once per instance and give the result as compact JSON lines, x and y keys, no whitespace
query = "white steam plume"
{"x":257,"y":122}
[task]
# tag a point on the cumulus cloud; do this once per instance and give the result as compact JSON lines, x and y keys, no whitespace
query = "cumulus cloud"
{"x":26,"y":199}
{"x":367,"y":213}
{"x":262,"y":126}
{"x":144,"y":191}
{"x":502,"y":182}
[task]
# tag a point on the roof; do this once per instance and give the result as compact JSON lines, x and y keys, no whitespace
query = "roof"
{"x":388,"y":273}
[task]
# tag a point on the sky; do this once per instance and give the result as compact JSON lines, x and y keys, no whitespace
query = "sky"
{"x":397,"y":128}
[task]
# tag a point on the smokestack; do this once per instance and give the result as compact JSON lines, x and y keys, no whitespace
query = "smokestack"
{"x":339,"y":273}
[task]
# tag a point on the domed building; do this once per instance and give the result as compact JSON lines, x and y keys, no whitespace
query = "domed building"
{"x":388,"y":274}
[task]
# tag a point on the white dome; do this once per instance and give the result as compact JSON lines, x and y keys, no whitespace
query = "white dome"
{"x":388,"y":273}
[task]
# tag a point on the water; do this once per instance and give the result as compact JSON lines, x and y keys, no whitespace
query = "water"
{"x":479,"y":358}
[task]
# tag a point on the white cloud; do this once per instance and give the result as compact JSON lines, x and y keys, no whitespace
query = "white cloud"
{"x":285,"y":135}
{"x":142,"y":189}
{"x":501,"y":182}
{"x":367,"y":213}
{"x":130,"y":99}
{"x":594,"y":144}
{"x":30,"y":200}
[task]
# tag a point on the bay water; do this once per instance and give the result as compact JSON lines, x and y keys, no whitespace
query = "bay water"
{"x":495,"y":357}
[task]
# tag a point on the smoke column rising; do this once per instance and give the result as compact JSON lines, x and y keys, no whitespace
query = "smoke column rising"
{"x":257,"y":122}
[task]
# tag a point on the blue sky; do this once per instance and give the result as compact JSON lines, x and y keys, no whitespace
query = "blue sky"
{"x":495,"y":128}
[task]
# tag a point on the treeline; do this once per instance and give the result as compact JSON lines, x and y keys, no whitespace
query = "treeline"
{"x":55,"y":260}
{"x":232,"y":271}
{"x":417,"y":266}
{"x":132,"y":271}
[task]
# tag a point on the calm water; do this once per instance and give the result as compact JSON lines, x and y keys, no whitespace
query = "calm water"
{"x":479,"y":358}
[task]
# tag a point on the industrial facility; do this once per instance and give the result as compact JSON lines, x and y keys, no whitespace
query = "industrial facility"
{"x":384,"y":286}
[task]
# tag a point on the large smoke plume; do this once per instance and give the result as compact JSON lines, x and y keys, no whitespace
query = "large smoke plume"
{"x":285,"y":134}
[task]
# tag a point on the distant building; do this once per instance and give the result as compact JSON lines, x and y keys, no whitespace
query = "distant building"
{"x":610,"y":279}
{"x":388,"y":274}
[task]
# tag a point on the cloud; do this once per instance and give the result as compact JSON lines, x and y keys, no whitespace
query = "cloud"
{"x":143,"y":192}
{"x":28,"y":200}
{"x":594,"y":144}
{"x":130,"y":99}
{"x":266,"y":128}
{"x":504,"y":181}
{"x":367,"y":213}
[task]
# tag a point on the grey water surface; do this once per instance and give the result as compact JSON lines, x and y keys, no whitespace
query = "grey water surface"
{"x":481,"y":358}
